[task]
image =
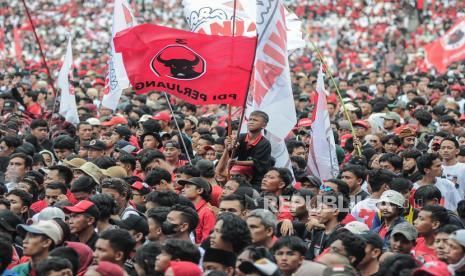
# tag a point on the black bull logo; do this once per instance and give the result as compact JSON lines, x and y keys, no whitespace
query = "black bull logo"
{"x":181,"y":68}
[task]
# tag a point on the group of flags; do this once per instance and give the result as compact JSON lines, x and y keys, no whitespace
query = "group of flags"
{"x":216,"y":62}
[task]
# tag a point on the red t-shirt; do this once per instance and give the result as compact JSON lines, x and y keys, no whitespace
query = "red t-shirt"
{"x":35,"y":109}
{"x":215,"y":196}
{"x":383,"y":231}
{"x":422,"y":248}
{"x":207,"y":221}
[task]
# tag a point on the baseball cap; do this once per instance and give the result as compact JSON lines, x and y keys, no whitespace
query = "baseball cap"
{"x":92,"y":170}
{"x":94,"y":122}
{"x":123,"y":145}
{"x":115,"y":171}
{"x":194,"y":120}
{"x":123,"y":131}
{"x":48,"y":228}
{"x":115,"y":120}
{"x":171,"y":144}
{"x":144,"y":118}
{"x":49,"y":213}
{"x":8,"y":220}
{"x":97,"y":145}
{"x":74,"y":163}
{"x":393,"y":197}
{"x":135,"y":222}
{"x":392,"y":116}
{"x":361,"y":123}
{"x":351,"y":107}
{"x":406,"y":229}
{"x":433,"y":268}
{"x":83,"y":207}
{"x":357,"y":227}
{"x":263,"y":266}
{"x":197,"y":181}
{"x":304,"y":122}
{"x":162,"y":116}
{"x":142,"y":187}
{"x":458,"y":236}
{"x":340,"y":270}
{"x":109,"y":269}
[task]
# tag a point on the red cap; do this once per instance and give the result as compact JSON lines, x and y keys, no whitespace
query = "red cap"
{"x":140,"y":186}
{"x":162,"y":116}
{"x":109,"y":269}
{"x":456,"y":87}
{"x":116,"y":120}
{"x":98,"y":82}
{"x":81,"y":207}
{"x":361,"y":123}
{"x":304,"y":122}
{"x":245,"y":170}
{"x":434,"y":268}
{"x":208,"y":147}
{"x":344,"y":139}
{"x":183,"y":268}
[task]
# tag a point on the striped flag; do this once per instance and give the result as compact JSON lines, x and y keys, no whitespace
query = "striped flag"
{"x":322,"y":159}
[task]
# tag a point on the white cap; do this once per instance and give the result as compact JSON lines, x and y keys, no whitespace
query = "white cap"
{"x":393,"y":197}
{"x":51,"y":213}
{"x":145,"y":117}
{"x":94,"y":121}
{"x":357,"y":227}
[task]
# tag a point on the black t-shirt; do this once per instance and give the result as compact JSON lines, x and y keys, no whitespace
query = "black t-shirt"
{"x":320,"y":241}
{"x":91,"y":242}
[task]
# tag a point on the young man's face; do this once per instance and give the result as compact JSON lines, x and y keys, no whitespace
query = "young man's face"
{"x":162,"y":262}
{"x":190,"y":191}
{"x":441,"y":245}
{"x":154,"y":230}
{"x":388,"y":210}
{"x":300,"y":151}
{"x":79,"y":222}
{"x":215,"y":238}
{"x":255,"y":123}
{"x":34,"y":244}
{"x":85,"y":132}
{"x":351,"y":179}
{"x":16,"y":205}
{"x":400,"y":244}
{"x":52,"y":196}
{"x":288,"y":260}
{"x":104,"y":252}
{"x":40,"y":133}
{"x":408,"y":164}
{"x":231,"y":206}
{"x":171,"y":154}
{"x":119,"y":198}
{"x":18,"y":166}
{"x":391,"y":146}
{"x":52,"y":176}
{"x":436,"y":168}
{"x":408,"y":142}
{"x":62,"y":153}
{"x":325,"y":214}
{"x":448,"y":151}
{"x":387,"y":166}
{"x":446,"y":127}
{"x":424,"y":222}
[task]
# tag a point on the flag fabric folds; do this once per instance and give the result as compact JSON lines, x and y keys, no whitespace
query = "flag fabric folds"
{"x":117,"y":79}
{"x":322,"y":159}
{"x":447,"y":49}
{"x":68,"y":108}
{"x":198,"y":68}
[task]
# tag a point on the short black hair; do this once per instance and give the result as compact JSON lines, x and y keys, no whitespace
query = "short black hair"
{"x":401,"y":185}
{"x":342,"y":187}
{"x":412,"y":153}
{"x":426,"y":193}
{"x":354,"y":246}
{"x":461,"y":208}
{"x":64,"y":172}
{"x":6,"y":252}
{"x":378,"y":177}
{"x":149,"y":156}
{"x":11,"y":141}
{"x":447,"y":119}
{"x":448,"y":229}
{"x":426,"y":161}
{"x":423,"y":117}
{"x":262,"y":114}
{"x":438,"y":213}
{"x":27,"y":159}
{"x":119,"y":240}
{"x":104,"y":162}
{"x":188,"y":214}
{"x":359,"y":171}
{"x":48,"y":265}
{"x":453,"y":140}
{"x":285,"y":175}
{"x":189,"y":170}
{"x":57,"y":186}
{"x":392,"y":159}
{"x":235,"y":197}
{"x":208,"y":138}
{"x":392,"y":137}
{"x":106,"y":205}
{"x":162,"y":198}
{"x":294,"y":144}
{"x":292,"y":242}
{"x":69,"y":254}
{"x":126,"y":158}
{"x":83,"y":183}
{"x":38,"y":123}
{"x":234,"y":227}
{"x":25,"y":197}
{"x":64,"y":142}
{"x":182,"y":250}
{"x":397,"y":264}
{"x":156,"y":175}
{"x":117,"y":184}
{"x":146,"y":255}
{"x":158,"y":214}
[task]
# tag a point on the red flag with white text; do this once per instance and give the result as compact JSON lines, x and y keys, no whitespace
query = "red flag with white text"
{"x":447,"y":49}
{"x":198,"y":68}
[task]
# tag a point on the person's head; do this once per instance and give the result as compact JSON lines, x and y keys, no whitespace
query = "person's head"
{"x":373,"y":249}
{"x":69,"y":254}
{"x":127,"y":162}
{"x":106,"y":206}
{"x":83,"y":216}
{"x":391,"y":162}
{"x":409,"y":160}
{"x":55,"y":266}
{"x":6,"y":252}
{"x":402,"y":185}
{"x":289,"y":252}
{"x":403,"y":238}
{"x":423,"y":117}
{"x":137,"y":227}
{"x":63,"y":146}
{"x":41,"y":237}
{"x":196,"y":188}
{"x":84,"y":131}
{"x":276,"y":180}
{"x":427,"y":195}
{"x":298,"y":203}
{"x":441,"y":240}
{"x":162,"y":198}
{"x":20,"y":201}
{"x":118,"y":189}
{"x":144,"y":260}
{"x":262,"y":224}
{"x":159,"y":179}
{"x":297,"y":148}
{"x":350,"y":246}
{"x":456,"y":248}
{"x":354,"y":176}
{"x":447,"y":124}
{"x":391,"y":204}
{"x":218,"y":261}
{"x":18,"y":165}
{"x":397,"y":264}
{"x":234,"y":204}
{"x":114,"y":245}
{"x":430,"y":218}
{"x":172,"y":151}
{"x":58,"y":173}
{"x":151,"y":160}
{"x":449,"y":149}
{"x":429,"y":164}
{"x":8,"y":144}
{"x":180,"y":221}
{"x":391,"y":143}
{"x":336,"y":185}
{"x":54,"y":192}
{"x":331,"y":207}
{"x":96,"y":149}
{"x":379,"y":180}
{"x":83,"y":187}
{"x":257,"y":121}
{"x":155,"y":218}
{"x":227,"y":228}
{"x":176,"y":250}
{"x":39,"y":129}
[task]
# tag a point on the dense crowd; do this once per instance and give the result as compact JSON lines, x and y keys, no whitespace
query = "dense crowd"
{"x":146,"y":191}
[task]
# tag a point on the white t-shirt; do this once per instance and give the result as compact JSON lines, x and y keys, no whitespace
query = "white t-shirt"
{"x":450,"y":195}
{"x":456,"y":174}
{"x":365,"y":211}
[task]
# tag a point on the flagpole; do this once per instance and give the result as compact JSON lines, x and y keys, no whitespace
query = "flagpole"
{"x":233,"y":35}
{"x":178,"y":128}
{"x":40,"y":49}
{"x":346,"y":113}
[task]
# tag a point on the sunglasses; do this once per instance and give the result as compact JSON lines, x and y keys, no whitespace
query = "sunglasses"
{"x":325,"y":188}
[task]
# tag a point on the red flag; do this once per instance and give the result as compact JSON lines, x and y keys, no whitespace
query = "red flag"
{"x":447,"y":49}
{"x":198,"y":68}
{"x":18,"y":47}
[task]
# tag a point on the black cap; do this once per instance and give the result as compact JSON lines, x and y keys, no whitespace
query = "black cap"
{"x":222,"y":257}
{"x":64,"y":142}
{"x":35,"y":176}
{"x":8,"y":220}
{"x":135,"y":222}
{"x":124,"y":131}
{"x":97,"y":145}
{"x":197,"y":181}
{"x":205,"y":166}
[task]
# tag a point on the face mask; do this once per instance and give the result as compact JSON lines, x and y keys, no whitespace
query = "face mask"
{"x":458,"y":265}
{"x":169,"y":228}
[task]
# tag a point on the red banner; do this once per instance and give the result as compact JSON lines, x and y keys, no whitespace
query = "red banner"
{"x":447,"y":49}
{"x":198,"y":68}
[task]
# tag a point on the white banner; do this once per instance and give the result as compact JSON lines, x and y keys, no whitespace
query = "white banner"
{"x":68,"y":108}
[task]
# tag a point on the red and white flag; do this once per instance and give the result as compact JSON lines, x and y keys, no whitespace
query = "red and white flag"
{"x":68,"y":107}
{"x":447,"y":49}
{"x":322,"y":159}
{"x":117,"y":79}
{"x":198,"y":68}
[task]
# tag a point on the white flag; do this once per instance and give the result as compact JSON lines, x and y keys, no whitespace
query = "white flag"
{"x":68,"y":107}
{"x":322,"y":159}
{"x":117,"y":79}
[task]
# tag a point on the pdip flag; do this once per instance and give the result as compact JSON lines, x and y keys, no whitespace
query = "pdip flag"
{"x":198,"y":68}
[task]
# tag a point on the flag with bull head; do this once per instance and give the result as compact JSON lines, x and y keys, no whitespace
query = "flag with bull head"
{"x":68,"y":107}
{"x":198,"y":68}
{"x":117,"y":79}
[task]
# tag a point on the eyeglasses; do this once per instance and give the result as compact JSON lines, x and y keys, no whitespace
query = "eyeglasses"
{"x":325,"y":188}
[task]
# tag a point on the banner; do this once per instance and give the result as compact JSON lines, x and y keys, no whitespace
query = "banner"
{"x":216,"y":17}
{"x":117,"y":79}
{"x":68,"y":107}
{"x":447,"y":49}
{"x":200,"y":69}
{"x":322,"y":158}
